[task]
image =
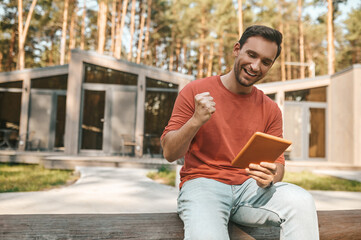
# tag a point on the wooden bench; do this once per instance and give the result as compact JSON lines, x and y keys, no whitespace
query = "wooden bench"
{"x":333,"y":225}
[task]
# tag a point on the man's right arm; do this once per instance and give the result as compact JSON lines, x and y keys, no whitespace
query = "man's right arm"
{"x":176,"y":143}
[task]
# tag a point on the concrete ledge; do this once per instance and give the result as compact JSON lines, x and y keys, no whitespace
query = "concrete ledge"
{"x":311,"y":165}
{"x":70,"y":162}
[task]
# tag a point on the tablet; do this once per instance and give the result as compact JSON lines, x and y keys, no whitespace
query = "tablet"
{"x":261,"y":147}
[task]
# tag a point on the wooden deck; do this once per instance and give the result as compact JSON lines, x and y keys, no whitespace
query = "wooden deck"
{"x":333,"y":225}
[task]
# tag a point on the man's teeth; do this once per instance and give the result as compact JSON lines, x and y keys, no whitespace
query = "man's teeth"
{"x":253,"y":75}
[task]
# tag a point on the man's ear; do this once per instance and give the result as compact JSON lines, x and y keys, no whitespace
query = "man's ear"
{"x":236,"y":49}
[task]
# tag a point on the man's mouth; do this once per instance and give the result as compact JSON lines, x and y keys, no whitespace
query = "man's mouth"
{"x":249,"y":73}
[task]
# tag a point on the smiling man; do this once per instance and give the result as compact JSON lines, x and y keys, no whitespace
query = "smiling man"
{"x":212,"y":120}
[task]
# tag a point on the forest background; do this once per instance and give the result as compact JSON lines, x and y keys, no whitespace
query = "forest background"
{"x":188,"y":36}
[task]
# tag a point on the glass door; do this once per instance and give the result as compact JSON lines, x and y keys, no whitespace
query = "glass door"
{"x":305,"y":126}
{"x":293,"y":129}
{"x":120,"y":120}
{"x":93,"y":120}
{"x":317,"y":133}
{"x":46,"y":120}
{"x":109,"y":115}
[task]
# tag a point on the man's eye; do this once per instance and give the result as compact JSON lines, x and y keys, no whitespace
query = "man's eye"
{"x":252,"y":55}
{"x":266,"y":63}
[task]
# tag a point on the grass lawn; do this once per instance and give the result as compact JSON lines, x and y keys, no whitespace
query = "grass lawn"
{"x":312,"y":181}
{"x":31,"y":177}
{"x":306,"y":180}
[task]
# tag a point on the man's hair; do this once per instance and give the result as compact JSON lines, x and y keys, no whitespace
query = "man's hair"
{"x":268,"y":33}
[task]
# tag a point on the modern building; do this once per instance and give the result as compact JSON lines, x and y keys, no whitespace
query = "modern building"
{"x":96,"y":106}
{"x":100,"y":106}
{"x":322,"y":116}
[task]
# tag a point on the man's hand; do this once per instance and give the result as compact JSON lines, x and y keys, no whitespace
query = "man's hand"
{"x":176,"y":143}
{"x":264,"y":173}
{"x":204,"y":108}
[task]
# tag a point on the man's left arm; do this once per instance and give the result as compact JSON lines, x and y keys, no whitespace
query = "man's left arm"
{"x":266,"y":173}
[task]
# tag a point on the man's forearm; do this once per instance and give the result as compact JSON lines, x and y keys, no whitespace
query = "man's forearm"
{"x":176,"y":143}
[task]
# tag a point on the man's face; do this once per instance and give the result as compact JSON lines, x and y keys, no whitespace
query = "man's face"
{"x":253,"y":60}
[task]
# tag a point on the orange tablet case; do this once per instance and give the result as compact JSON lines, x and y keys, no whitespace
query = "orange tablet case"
{"x":261,"y":147}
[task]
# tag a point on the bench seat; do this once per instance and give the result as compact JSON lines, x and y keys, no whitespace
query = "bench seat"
{"x":340,"y":224}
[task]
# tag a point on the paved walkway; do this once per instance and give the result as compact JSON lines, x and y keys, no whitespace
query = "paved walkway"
{"x":99,"y":190}
{"x":126,"y":190}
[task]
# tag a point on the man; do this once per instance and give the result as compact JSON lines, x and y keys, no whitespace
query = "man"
{"x":212,"y":120}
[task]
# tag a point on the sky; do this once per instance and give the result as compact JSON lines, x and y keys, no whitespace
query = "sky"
{"x":345,"y":9}
{"x":314,"y":11}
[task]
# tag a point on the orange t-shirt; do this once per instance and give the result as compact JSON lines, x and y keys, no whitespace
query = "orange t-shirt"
{"x":220,"y":139}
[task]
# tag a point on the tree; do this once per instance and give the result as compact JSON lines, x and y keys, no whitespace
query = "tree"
{"x":281,"y":29}
{"x":132,"y":26}
{"x":350,"y":52}
{"x":330,"y":39}
{"x":301,"y":39}
{"x":23,"y":31}
{"x":72,"y":32}
{"x":63,"y":32}
{"x":141,"y":31}
{"x":102,"y":24}
{"x":118,"y":42}
{"x":146,"y":37}
{"x":82,"y":41}
{"x":113,"y":25}
{"x":240,"y":18}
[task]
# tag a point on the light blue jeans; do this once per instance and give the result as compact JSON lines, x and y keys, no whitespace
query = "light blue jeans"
{"x":206,"y":206}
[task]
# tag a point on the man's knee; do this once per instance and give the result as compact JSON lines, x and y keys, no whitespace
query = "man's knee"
{"x":297,"y":198}
{"x":209,"y":231}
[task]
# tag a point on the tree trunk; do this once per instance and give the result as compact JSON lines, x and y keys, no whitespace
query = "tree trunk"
{"x":240,"y":18}
{"x":10,"y":59}
{"x":132,"y":24}
{"x":23,"y":31}
{"x":51,"y":56}
{"x":102,"y":24}
{"x":117,"y":28}
{"x":63,"y":33}
{"x":146,"y":38}
{"x":1,"y":61}
{"x":82,"y":42}
{"x":140,"y":41}
{"x":220,"y":50}
{"x":177,"y":53}
{"x":281,"y":29}
{"x":210,"y":60}
{"x":283,"y":64}
{"x":288,"y":51}
{"x":112,"y":30}
{"x":309,"y":59}
{"x":171,"y":55}
{"x":330,"y":41}
{"x":184,"y":56}
{"x":72,"y":32}
{"x":118,"y":42}
{"x":201,"y":48}
{"x":301,"y":40}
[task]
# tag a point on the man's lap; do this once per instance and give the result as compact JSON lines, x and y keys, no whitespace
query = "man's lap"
{"x":207,"y":205}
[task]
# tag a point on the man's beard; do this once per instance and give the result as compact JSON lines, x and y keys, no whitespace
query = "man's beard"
{"x":237,"y":73}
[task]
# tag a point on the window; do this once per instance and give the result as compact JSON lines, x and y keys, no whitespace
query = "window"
{"x":97,"y":74}
{"x":310,"y":95}
{"x":59,"y":82}
{"x":159,"y":100}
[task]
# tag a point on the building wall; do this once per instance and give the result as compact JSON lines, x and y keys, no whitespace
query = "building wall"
{"x":74,"y":93}
{"x":357,"y":114}
{"x":341,"y":118}
{"x":344,"y":116}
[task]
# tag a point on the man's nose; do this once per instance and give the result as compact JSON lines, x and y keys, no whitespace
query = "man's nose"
{"x":256,"y":65}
